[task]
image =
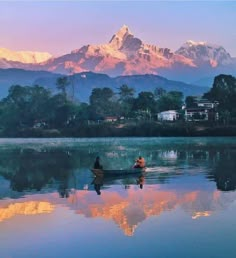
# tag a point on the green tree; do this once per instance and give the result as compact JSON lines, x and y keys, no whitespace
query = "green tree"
{"x":125,"y":93}
{"x":170,"y":101}
{"x":159,"y":92}
{"x":145,"y":100}
{"x":23,"y":106}
{"x":126,"y":100}
{"x":145,"y":104}
{"x":102,"y":102}
{"x":60,"y":112}
{"x":62,"y":85}
{"x":190,"y":102}
{"x":224,"y":91}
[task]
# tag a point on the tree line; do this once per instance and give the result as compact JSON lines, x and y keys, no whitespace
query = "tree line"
{"x":29,"y":107}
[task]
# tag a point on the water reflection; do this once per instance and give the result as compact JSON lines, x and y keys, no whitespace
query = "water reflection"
{"x":192,"y":178}
{"x":140,"y":181}
{"x":128,"y":210}
{"x":224,"y":171}
{"x":31,"y":169}
{"x":25,"y":208}
{"x":97,"y":182}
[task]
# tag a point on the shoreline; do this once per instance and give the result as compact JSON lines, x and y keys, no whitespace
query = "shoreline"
{"x":147,"y":129}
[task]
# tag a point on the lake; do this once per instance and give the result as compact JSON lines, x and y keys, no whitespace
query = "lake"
{"x":184,"y":205}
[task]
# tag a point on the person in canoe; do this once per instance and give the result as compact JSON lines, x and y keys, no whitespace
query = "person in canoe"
{"x":140,"y":162}
{"x":97,"y":164}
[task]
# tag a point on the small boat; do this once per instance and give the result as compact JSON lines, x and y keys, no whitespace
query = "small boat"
{"x":117,"y":172}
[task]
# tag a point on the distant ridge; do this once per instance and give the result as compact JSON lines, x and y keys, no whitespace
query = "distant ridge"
{"x":84,"y":82}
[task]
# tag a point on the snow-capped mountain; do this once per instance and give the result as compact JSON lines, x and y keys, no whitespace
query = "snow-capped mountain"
{"x":125,"y":54}
{"x":202,"y":53}
{"x":27,"y":57}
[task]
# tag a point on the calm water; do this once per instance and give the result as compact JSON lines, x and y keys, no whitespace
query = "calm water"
{"x":52,"y":206}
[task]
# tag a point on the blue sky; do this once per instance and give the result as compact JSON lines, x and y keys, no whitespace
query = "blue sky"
{"x":61,"y":26}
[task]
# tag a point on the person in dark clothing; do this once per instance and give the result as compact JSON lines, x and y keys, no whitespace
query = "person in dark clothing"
{"x":97,"y":164}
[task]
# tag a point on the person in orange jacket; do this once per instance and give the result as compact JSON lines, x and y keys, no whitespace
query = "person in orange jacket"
{"x":140,"y":162}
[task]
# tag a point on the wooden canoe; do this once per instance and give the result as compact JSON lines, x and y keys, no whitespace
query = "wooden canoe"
{"x":117,"y":172}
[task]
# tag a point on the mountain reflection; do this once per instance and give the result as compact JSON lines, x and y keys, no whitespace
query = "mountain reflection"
{"x":133,"y":208}
{"x":127,"y":210}
{"x":25,"y":208}
{"x":191,"y":178}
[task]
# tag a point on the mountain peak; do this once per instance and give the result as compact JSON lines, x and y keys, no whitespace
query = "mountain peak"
{"x":192,"y":43}
{"x":204,"y":53}
{"x":118,"y":39}
{"x":123,"y":30}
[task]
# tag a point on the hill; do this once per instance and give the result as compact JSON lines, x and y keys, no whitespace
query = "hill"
{"x":83,"y":83}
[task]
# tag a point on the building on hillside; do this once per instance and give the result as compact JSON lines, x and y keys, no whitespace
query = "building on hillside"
{"x":39,"y":124}
{"x":205,"y":103}
{"x":110,"y":119}
{"x":202,"y":110}
{"x":196,"y":114}
{"x":169,"y":115}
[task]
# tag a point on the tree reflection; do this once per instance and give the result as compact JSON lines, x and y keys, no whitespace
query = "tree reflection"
{"x":33,"y":170}
{"x":224,"y":173}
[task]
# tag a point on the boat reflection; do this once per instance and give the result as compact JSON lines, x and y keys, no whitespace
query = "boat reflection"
{"x":140,"y":181}
{"x":97,"y":182}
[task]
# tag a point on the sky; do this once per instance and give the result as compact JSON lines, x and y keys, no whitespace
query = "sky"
{"x":58,"y":27}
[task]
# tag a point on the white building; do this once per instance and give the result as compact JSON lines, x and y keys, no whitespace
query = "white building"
{"x":169,"y":115}
{"x":110,"y":119}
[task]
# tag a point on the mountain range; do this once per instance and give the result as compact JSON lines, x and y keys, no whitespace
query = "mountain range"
{"x":125,"y":54}
{"x":125,"y":59}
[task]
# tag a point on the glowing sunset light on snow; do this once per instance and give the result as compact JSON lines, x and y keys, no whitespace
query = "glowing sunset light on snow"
{"x":58,"y":27}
